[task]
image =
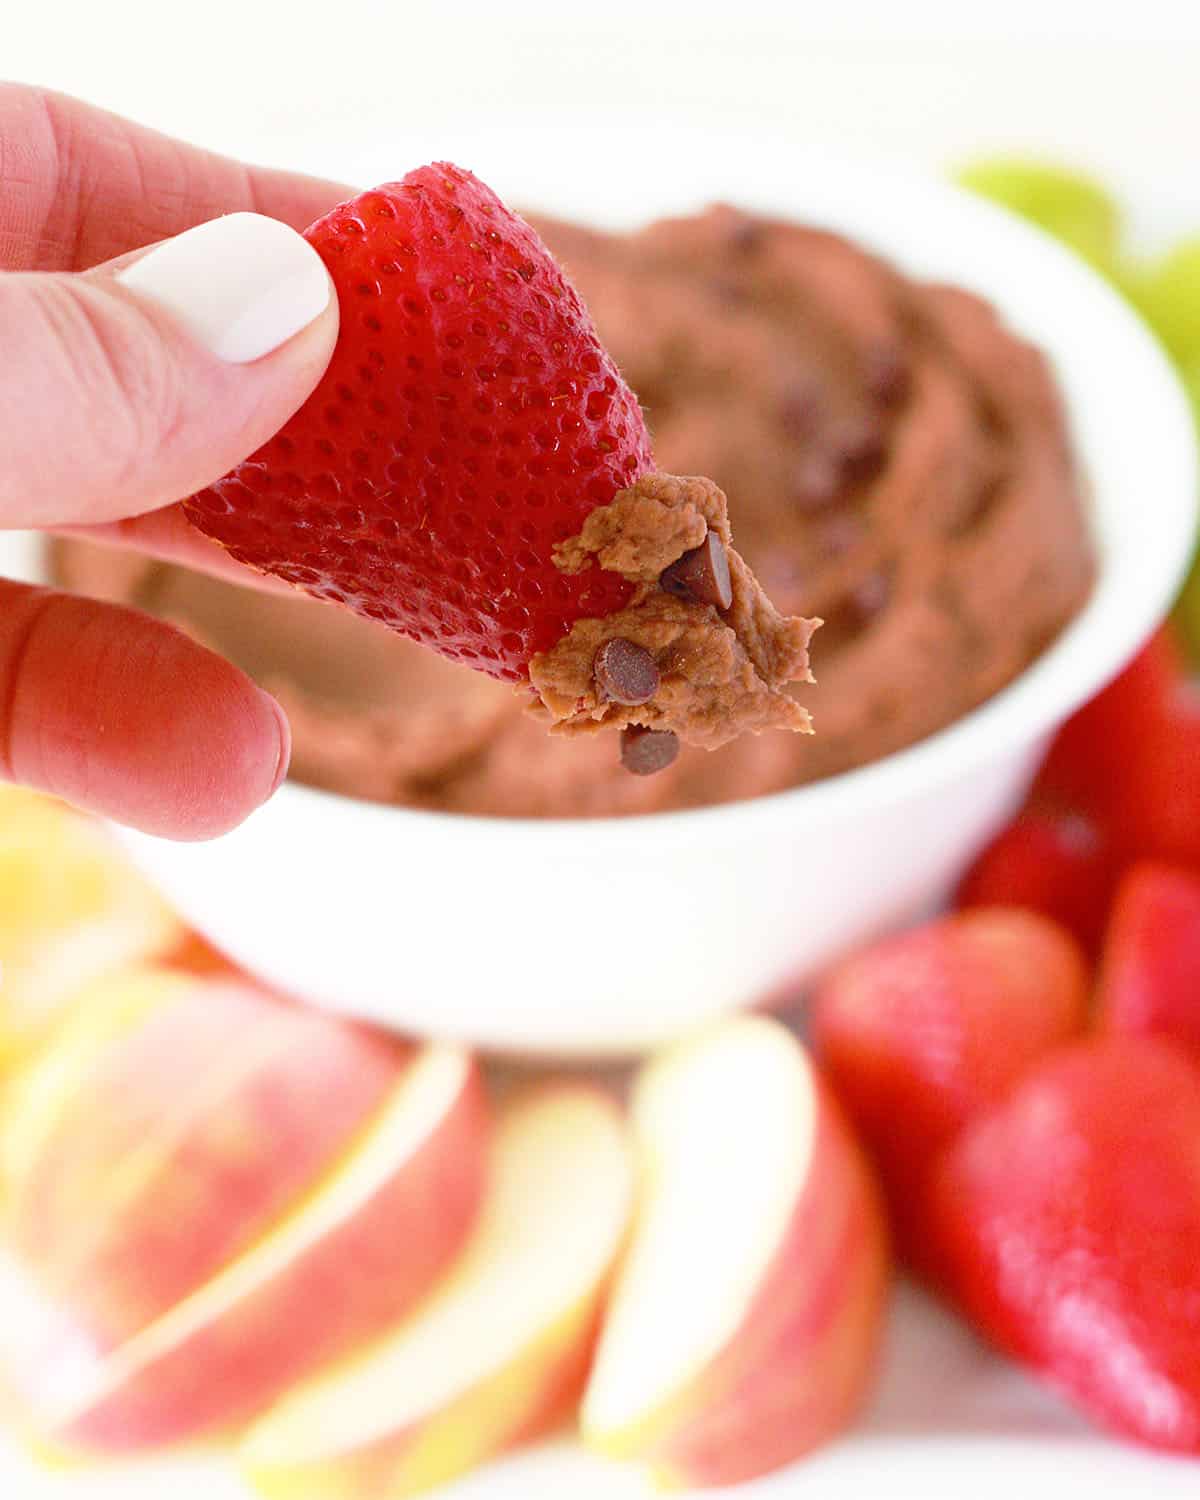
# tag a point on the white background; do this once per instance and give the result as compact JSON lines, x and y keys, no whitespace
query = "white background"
{"x":1113,"y":85}
{"x":359,"y":89}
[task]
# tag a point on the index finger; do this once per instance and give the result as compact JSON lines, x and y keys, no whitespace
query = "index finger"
{"x":168,"y":536}
{"x":80,"y":186}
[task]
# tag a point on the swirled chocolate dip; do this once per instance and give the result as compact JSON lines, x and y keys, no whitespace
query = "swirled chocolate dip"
{"x":896,"y":462}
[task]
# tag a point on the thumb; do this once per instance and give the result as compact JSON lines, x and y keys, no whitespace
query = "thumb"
{"x":134,"y":385}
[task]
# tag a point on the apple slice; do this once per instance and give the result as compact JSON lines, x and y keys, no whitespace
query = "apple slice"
{"x":499,"y":1352}
{"x":186,"y":1138}
{"x":362,"y":1247}
{"x":744,"y":1324}
{"x":36,"y":1096}
{"x":70,"y":910}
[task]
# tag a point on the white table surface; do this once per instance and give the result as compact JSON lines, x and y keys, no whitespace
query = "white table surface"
{"x":948,"y":1422}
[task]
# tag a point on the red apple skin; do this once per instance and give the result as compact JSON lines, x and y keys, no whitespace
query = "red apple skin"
{"x":251,"y":1099}
{"x":1150,"y":975}
{"x":349,"y":1285}
{"x":802,"y":1364}
{"x":563,"y":1382}
{"x":531,"y":1390}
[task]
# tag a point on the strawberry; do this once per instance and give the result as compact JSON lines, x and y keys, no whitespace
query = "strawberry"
{"x":1068,"y":1221}
{"x":1159,"y":813}
{"x":1091,"y":763}
{"x":1150,"y":975}
{"x":1131,"y":758}
{"x":469,"y":420}
{"x":1050,"y":859}
{"x":923,"y":1031}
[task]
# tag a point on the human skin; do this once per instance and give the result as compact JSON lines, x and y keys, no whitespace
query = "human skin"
{"x":113,"y":410}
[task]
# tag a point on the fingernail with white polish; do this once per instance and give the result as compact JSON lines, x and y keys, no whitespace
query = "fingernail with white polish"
{"x":242,"y":285}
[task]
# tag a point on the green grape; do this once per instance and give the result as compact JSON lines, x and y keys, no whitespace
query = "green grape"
{"x":1129,"y":277}
{"x":1167,"y":293}
{"x":1187,"y":615}
{"x":1067,"y":204}
{"x":1191,"y":382}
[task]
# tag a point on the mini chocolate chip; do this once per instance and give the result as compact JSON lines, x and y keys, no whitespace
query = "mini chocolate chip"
{"x":886,"y":375}
{"x":747,"y":235}
{"x":726,"y":289}
{"x":818,"y":481}
{"x":870,"y":595}
{"x":701,"y":574}
{"x":800,"y":407}
{"x":645,"y":751}
{"x":974,"y":509}
{"x":625,"y":672}
{"x":860,"y":449}
{"x":846,"y":618}
{"x":991,"y":419}
{"x":839,"y":535}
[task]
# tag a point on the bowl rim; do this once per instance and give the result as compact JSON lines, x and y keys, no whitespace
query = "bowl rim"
{"x":891,"y":210}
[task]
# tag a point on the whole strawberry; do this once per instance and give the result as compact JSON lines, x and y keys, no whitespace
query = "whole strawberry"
{"x":1094,"y":761}
{"x":1159,"y":817}
{"x":469,"y":420}
{"x":1150,"y":975}
{"x":1068,"y":1221}
{"x":1051,"y":859}
{"x":923,"y":1031}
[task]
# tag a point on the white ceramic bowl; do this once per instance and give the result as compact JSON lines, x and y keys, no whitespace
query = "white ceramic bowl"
{"x":502,"y":932}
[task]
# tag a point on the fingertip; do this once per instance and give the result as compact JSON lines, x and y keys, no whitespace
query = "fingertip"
{"x":242,"y":285}
{"x":224,"y":752}
{"x":217,"y":754}
{"x":130,"y":718}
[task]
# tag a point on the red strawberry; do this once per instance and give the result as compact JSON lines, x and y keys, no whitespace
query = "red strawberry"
{"x":1150,"y":976}
{"x":1089,"y":765}
{"x":1069,"y":1222}
{"x":1159,"y":813}
{"x":923,"y":1031}
{"x":469,"y":419}
{"x":1053,"y":860}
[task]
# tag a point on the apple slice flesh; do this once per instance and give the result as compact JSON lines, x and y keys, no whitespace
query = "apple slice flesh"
{"x":71,"y":909}
{"x":190,"y":1134}
{"x":500,"y":1350}
{"x":363,"y":1246}
{"x":743,"y":1326}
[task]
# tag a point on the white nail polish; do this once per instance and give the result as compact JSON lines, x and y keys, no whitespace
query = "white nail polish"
{"x":242,"y":285}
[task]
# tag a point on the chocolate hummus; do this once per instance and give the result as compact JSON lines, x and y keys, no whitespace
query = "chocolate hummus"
{"x":677,"y":659}
{"x":896,"y":463}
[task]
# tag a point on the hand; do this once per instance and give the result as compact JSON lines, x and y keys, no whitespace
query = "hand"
{"x":128,"y":380}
